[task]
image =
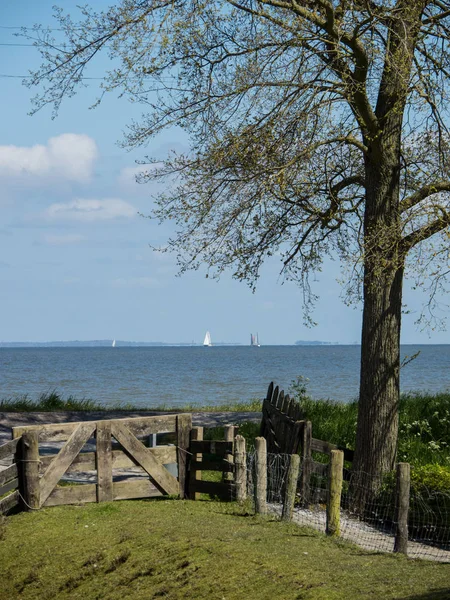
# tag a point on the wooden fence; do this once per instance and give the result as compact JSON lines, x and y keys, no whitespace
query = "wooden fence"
{"x":215,"y":457}
{"x":287,"y":432}
{"x":110,"y":447}
{"x":123,"y":458}
{"x":9,"y":477}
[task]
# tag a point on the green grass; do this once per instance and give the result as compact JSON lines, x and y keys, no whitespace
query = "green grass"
{"x":54,"y":401}
{"x":204,"y":550}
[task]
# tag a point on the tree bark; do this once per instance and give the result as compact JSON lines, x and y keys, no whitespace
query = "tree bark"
{"x":376,"y":438}
{"x":377,"y":430}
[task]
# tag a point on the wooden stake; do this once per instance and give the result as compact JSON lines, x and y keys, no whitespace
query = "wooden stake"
{"x":229,"y":437}
{"x":104,"y":462}
{"x":306,"y":440}
{"x":184,"y":426}
{"x":261,"y":476}
{"x":195,"y":474}
{"x":29,"y":464}
{"x":291,"y":488}
{"x":240,"y":464}
{"x":335,"y":476}
{"x":402,"y":507}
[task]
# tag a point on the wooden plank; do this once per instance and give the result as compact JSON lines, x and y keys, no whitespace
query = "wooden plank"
{"x":271,"y":434}
{"x":295,"y":438}
{"x":144,"y":426}
{"x":321,"y":446}
{"x":51,"y":432}
{"x":104,"y":462}
{"x":9,"y":449}
{"x":163,"y":479}
{"x":195,"y":464}
{"x":211,"y":447}
{"x":134,"y":488}
{"x":269,"y":392}
{"x":9,"y":502}
{"x":273,"y":411}
{"x":85,"y":461}
{"x":327,"y":447}
{"x":263,"y":426}
{"x":7,"y":474}
{"x":68,"y":452}
{"x":11,"y":485}
{"x":222,"y":466}
{"x":214,"y":488}
{"x":274,"y":399}
{"x":139,"y":426}
{"x":72,"y":494}
{"x":184,"y":426}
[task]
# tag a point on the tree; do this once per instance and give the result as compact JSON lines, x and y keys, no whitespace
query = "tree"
{"x":317,"y":127}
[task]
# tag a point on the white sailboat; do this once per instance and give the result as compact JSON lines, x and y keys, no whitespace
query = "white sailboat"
{"x":254,"y":341}
{"x":113,"y":344}
{"x":207,"y":340}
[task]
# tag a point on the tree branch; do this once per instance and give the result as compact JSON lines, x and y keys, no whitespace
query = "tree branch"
{"x":423,"y":233}
{"x":424,"y":192}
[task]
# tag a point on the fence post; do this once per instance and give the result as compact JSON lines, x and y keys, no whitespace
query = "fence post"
{"x":261,"y":476}
{"x":227,"y":476}
{"x":240,"y":468}
{"x":29,"y":467}
{"x":306,"y":440}
{"x":194,"y":473}
{"x":291,"y":488}
{"x":103,"y":459}
{"x":402,"y":507}
{"x":334,"y":492}
{"x":184,"y":427}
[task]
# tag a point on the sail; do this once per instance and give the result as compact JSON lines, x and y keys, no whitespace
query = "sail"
{"x":114,"y":344}
{"x":207,"y":340}
{"x":254,"y":340}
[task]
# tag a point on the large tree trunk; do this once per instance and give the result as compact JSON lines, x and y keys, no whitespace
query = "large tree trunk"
{"x":377,"y":430}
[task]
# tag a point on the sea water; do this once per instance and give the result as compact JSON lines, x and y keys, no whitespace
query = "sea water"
{"x":174,"y":376}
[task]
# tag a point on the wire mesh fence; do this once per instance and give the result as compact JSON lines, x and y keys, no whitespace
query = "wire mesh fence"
{"x":371,"y":523}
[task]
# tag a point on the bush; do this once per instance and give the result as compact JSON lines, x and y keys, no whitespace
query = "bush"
{"x":432,"y":478}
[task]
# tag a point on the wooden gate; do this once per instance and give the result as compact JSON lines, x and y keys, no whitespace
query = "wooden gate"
{"x":148,"y":477}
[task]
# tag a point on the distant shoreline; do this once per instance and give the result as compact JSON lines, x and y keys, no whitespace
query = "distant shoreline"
{"x":125,"y":344}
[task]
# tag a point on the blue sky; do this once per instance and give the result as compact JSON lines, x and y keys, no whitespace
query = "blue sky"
{"x":75,"y":261}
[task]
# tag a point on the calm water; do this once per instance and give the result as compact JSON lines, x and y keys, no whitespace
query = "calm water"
{"x":152,"y":376}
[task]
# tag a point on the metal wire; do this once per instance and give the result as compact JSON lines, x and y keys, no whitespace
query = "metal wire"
{"x":371,"y":525}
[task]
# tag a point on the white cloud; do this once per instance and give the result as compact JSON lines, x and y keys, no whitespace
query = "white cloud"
{"x":127,"y":176}
{"x":68,"y":156}
{"x":90,"y":210}
{"x":62,"y":240}
{"x":144,"y":282}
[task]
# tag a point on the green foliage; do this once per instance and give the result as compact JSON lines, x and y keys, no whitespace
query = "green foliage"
{"x":332,"y":421}
{"x":47,"y":401}
{"x":431,"y":477}
{"x":54,"y":401}
{"x":424,"y":433}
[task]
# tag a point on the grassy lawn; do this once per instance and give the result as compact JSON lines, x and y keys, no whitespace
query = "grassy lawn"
{"x":182,"y":549}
